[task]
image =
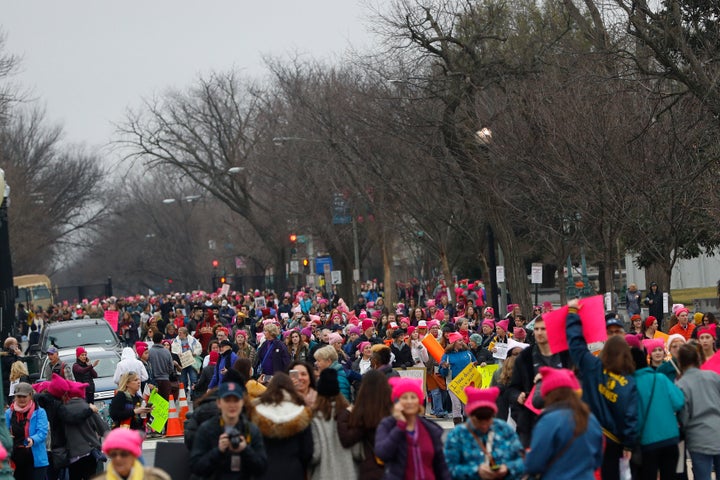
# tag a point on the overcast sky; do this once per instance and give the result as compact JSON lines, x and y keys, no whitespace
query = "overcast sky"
{"x":86,"y":61}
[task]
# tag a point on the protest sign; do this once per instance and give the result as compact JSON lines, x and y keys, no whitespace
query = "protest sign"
{"x":111,"y":316}
{"x":160,"y":411}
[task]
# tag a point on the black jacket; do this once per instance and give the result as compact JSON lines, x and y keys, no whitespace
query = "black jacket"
{"x":83,"y":427}
{"x":207,"y":461}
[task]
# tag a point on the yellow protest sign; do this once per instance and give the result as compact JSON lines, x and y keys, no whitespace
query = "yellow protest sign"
{"x":468,"y":376}
{"x":486,"y":373}
{"x":160,"y":411}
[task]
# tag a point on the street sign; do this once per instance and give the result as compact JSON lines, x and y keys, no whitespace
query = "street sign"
{"x":500,"y":273}
{"x":294,"y":266}
{"x":340,"y":210}
{"x":225,"y":289}
{"x":536,"y":272}
{"x":336,"y":277}
{"x":356,"y":275}
{"x":321,"y":263}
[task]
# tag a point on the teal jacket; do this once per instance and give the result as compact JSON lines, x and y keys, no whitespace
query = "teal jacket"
{"x":342,"y":381}
{"x":660,"y":428}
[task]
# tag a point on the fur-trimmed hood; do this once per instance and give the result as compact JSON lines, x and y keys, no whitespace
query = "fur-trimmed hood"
{"x":281,"y":420}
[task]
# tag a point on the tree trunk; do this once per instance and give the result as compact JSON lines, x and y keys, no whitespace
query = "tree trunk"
{"x":388,"y":280}
{"x":446,"y":272}
{"x":515,"y":274}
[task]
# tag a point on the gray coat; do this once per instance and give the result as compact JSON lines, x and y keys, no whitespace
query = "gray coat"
{"x":83,"y":427}
{"x":700,"y":417}
{"x":161,"y":362}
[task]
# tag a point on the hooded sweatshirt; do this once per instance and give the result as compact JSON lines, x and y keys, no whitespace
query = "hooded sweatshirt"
{"x":129,"y":363}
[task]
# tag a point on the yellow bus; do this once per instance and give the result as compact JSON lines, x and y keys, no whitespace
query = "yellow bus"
{"x":35,"y":290}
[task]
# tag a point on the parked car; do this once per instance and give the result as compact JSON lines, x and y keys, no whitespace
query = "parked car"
{"x":104,"y":384}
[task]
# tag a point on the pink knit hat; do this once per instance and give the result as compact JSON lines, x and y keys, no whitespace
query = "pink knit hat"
{"x":76,"y":389}
{"x":489,"y":323}
{"x":681,"y":310}
{"x":140,"y":348}
{"x":79,"y":351}
{"x":366,"y":324}
{"x":58,"y":386}
{"x":123,"y":439}
{"x":454,"y":337}
{"x":633,"y":340}
{"x":653,"y":343}
{"x":503,"y":324}
{"x":710,"y":330}
{"x":553,"y":378}
{"x":361,"y":346}
{"x":519,"y":333}
{"x":402,"y":385}
{"x":334,"y":338}
{"x":214,"y":357}
{"x":433,"y":323}
{"x":307,"y":331}
{"x":430,"y":303}
{"x":481,"y":397}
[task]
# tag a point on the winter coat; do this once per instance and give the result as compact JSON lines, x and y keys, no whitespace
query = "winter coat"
{"x":330,"y":459}
{"x":129,"y":363}
{"x":38,"y":431}
{"x":83,"y":427}
{"x":276,"y":361}
{"x":85,"y":373}
{"x":700,"y":416}
{"x":403,"y":355}
{"x":226,"y":361}
{"x":206,"y":410}
{"x":368,"y":469}
{"x":201,"y":386}
{"x":613,"y":398}
{"x":457,"y":360}
{"x":660,"y":427}
{"x":391,"y":447}
{"x":343,"y":381}
{"x":207,"y":461}
{"x":656,"y":308}
{"x":552,"y":434}
{"x":287,"y":435}
{"x":122,"y":411}
{"x":464,"y":456}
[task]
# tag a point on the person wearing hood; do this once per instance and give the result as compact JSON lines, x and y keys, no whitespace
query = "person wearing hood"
{"x":285,"y":424}
{"x":129,"y":363}
{"x":225,"y":362}
{"x":83,"y":431}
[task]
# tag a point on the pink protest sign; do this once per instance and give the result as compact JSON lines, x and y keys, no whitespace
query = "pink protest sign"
{"x":528,"y":402}
{"x":592,"y":316}
{"x":112,"y":318}
{"x":712,"y":363}
{"x":555,"y":326}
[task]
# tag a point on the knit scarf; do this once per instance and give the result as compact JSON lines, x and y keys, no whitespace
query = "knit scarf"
{"x":25,"y":413}
{"x":136,"y":473}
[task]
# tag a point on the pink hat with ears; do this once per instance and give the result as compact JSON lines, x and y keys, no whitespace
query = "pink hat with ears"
{"x":454,"y":337}
{"x":489,"y":323}
{"x":402,"y":385}
{"x":76,"y":389}
{"x":367,"y":324}
{"x":633,"y":340}
{"x":481,"y":397}
{"x":433,"y":323}
{"x":430,"y":303}
{"x":519,"y":333}
{"x":503,"y":324}
{"x":58,"y":386}
{"x":651,"y":344}
{"x":307,"y":331}
{"x":553,"y":378}
{"x":440,"y":315}
{"x":363,"y":315}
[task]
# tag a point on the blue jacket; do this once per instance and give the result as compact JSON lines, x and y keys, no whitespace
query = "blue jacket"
{"x":457,"y":360}
{"x":38,"y":431}
{"x":391,"y":448}
{"x":342,"y":380}
{"x":553,"y":431}
{"x":226,"y":361}
{"x":463,"y":455}
{"x":660,"y":429}
{"x":612,"y":398}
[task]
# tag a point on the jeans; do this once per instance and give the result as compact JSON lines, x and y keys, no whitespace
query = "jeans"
{"x":437,"y":402}
{"x":189,"y":377}
{"x":702,"y":465}
{"x":457,"y":406}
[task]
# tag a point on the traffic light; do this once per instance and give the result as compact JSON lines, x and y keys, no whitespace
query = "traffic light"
{"x":293,"y":245}
{"x":306,"y":262}
{"x":222,"y":280}
{"x":215,"y":263}
{"x":293,"y":238}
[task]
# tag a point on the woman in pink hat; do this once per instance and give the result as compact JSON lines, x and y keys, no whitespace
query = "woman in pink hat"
{"x":567,"y":440}
{"x":484,"y":446}
{"x":124,"y":447}
{"x":457,"y":356}
{"x":406,"y":443}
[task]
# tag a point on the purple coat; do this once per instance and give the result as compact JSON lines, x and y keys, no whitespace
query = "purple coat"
{"x":391,"y":448}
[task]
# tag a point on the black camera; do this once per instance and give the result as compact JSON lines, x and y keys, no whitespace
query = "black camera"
{"x":234,"y":435}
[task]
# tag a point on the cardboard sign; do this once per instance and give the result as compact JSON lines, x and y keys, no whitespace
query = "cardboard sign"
{"x":486,"y":373}
{"x":501,"y":350}
{"x":434,"y":348}
{"x":528,"y":402}
{"x":111,"y":316}
{"x":186,"y":359}
{"x":160,"y":411}
{"x":469,"y":376}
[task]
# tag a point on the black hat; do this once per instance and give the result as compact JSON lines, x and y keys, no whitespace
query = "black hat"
{"x":398,"y":333}
{"x":327,"y":384}
{"x":225,"y":343}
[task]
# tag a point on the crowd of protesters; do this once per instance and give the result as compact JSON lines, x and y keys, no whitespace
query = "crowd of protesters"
{"x":300,"y":385}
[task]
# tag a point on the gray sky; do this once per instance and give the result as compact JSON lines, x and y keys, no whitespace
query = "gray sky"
{"x":86,"y":61}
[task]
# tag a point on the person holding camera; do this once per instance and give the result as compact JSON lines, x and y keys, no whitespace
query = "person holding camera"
{"x":228,"y":446}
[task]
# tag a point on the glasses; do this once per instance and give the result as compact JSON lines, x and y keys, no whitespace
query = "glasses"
{"x":119,"y":453}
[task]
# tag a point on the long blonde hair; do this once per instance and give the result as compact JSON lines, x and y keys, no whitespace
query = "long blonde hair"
{"x":18,"y":370}
{"x":125,"y":378}
{"x":507,"y":370}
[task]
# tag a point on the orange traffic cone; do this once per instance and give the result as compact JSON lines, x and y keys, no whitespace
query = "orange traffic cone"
{"x":174,"y":427}
{"x":183,"y":405}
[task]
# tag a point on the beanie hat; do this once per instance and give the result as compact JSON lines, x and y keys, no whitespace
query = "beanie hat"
{"x":439,"y":315}
{"x":377,"y":314}
{"x":410,"y":330}
{"x":673,"y":337}
{"x":76,"y":389}
{"x":651,"y":344}
{"x":430,"y":303}
{"x":710,"y":330}
{"x":214,"y":357}
{"x":405,"y":320}
{"x":307,"y":331}
{"x":361,"y":346}
{"x":433,"y":323}
{"x":503,"y":324}
{"x":649,"y":321}
{"x":454,"y":337}
{"x":241,"y":332}
{"x":334,"y":338}
{"x":681,"y":310}
{"x":676,"y":307}
{"x":58,"y":386}
{"x":123,"y":439}
{"x":635,"y":317}
{"x":481,"y":397}
{"x":140,"y":348}
{"x":698,"y":317}
{"x":79,"y":351}
{"x":402,"y":385}
{"x":490,"y":310}
{"x":632,"y":340}
{"x":476,"y":338}
{"x":553,"y":378}
{"x":366,"y":324}
{"x":327,"y":384}
{"x":547,"y":305}
{"x":489,"y":323}
{"x":519,"y":333}
{"x":355,"y":330}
